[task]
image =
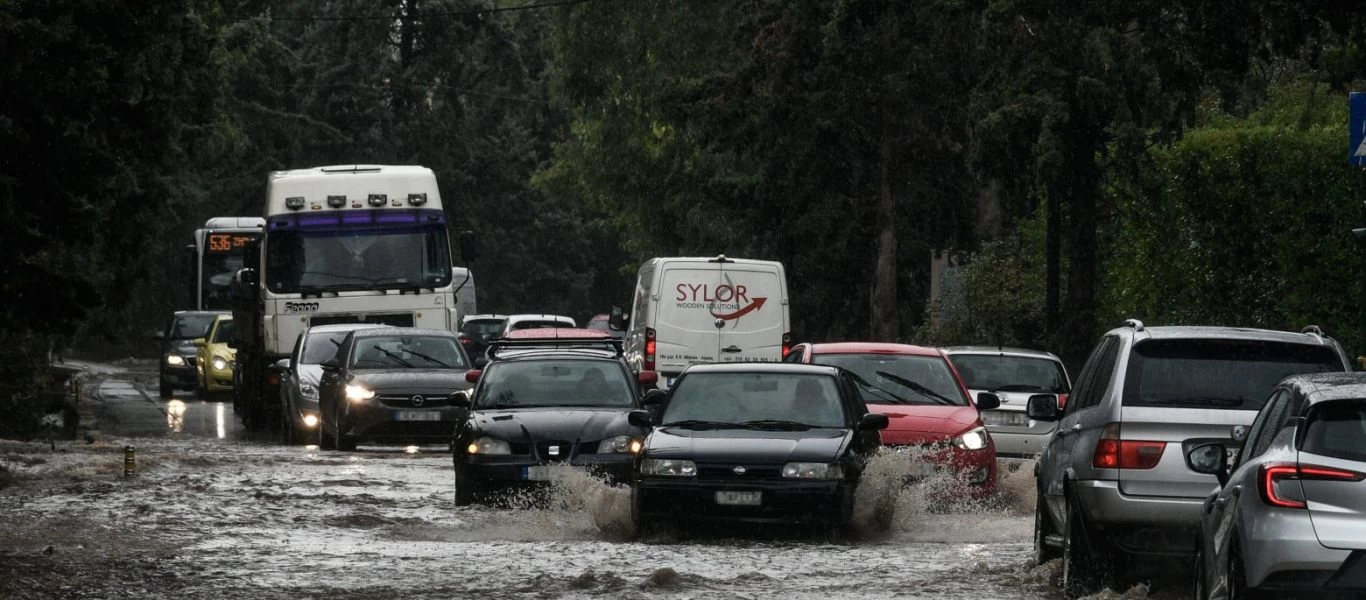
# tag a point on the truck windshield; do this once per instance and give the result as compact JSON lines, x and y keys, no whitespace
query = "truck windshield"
{"x":357,"y":259}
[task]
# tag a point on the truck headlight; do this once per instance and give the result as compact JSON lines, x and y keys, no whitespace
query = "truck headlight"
{"x":668,"y":467}
{"x":356,"y":393}
{"x":618,"y":445}
{"x":219,"y":363}
{"x":488,"y":445}
{"x":308,"y":391}
{"x":175,"y":360}
{"x":972,"y":440}
{"x":806,"y":470}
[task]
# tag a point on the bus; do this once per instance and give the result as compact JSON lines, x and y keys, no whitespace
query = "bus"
{"x":218,"y":251}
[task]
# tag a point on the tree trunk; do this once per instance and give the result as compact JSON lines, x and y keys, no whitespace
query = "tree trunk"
{"x":1079,"y":307}
{"x":885,"y":325}
{"x":1052,"y":262}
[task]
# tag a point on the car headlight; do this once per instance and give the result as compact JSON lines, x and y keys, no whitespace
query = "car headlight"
{"x":220,"y":363}
{"x":806,"y":470}
{"x":668,"y":467}
{"x":310,"y":421}
{"x":356,"y":393}
{"x":308,"y":391}
{"x":175,"y":360}
{"x":972,"y":440}
{"x":488,"y":445}
{"x":618,"y":445}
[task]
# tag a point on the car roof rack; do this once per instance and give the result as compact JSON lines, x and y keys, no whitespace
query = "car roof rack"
{"x":554,"y":344}
{"x":1134,"y":324}
{"x":1312,"y":330}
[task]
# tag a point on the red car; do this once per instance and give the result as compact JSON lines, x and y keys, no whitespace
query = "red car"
{"x":924,"y":398}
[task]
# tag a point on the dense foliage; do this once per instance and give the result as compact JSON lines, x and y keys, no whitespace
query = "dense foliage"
{"x":1178,"y":162}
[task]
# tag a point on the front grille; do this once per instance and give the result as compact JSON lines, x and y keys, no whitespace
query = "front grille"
{"x":726,"y":471}
{"x":393,"y":319}
{"x":404,"y":429}
{"x":407,"y":401}
{"x":564,"y":451}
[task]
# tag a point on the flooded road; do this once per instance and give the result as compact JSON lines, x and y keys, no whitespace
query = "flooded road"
{"x":211,"y":513}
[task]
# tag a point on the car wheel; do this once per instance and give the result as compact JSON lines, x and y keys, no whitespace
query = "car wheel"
{"x":1042,"y":529}
{"x":1083,"y":563}
{"x":1198,"y":591}
{"x":641,"y":525}
{"x":464,"y":488}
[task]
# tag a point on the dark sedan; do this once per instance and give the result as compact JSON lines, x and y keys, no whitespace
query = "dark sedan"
{"x":759,"y":443}
{"x":392,"y":384}
{"x":177,"y":363}
{"x":564,"y":403}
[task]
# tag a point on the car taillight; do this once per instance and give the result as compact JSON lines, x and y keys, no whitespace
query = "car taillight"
{"x":1062,"y":402}
{"x":464,"y":341}
{"x":787,"y":345}
{"x":649,"y":349}
{"x":1114,"y":453}
{"x":1271,"y":475}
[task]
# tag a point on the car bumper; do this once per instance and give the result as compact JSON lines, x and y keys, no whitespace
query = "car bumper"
{"x":302,"y":410}
{"x":786,"y":502}
{"x":218,"y":380}
{"x":1140,"y":524}
{"x":512,"y":471}
{"x":1282,"y":552}
{"x":976,"y":469}
{"x":183,"y":376}
{"x":378,"y":423}
{"x":1015,"y":444}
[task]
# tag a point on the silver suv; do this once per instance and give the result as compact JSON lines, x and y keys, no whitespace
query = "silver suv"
{"x":1292,"y":515}
{"x":1013,"y":374}
{"x":1113,"y":484}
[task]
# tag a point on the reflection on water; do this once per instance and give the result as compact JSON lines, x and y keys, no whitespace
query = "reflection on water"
{"x":411,"y":450}
{"x":219,"y":413}
{"x":175,"y":416}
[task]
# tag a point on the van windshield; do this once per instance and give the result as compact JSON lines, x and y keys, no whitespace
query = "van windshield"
{"x":1219,"y":374}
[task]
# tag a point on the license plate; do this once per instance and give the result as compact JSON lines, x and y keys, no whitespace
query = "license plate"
{"x":1007,"y":419}
{"x":739,"y":498}
{"x":417,"y":415}
{"x":537,"y":473}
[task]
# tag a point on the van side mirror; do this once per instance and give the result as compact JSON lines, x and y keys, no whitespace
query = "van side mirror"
{"x":617,"y":320}
{"x":873,"y":422}
{"x":654,"y":397}
{"x":1043,"y":407}
{"x":988,"y":401}
{"x":640,"y":418}
{"x":1210,"y":459}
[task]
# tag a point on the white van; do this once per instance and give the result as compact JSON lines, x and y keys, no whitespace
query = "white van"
{"x":690,"y":311}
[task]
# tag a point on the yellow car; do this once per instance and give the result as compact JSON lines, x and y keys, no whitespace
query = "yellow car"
{"x":214,"y":359}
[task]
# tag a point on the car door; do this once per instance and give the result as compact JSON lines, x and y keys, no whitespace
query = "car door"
{"x":1222,"y":510}
{"x":1058,"y":457}
{"x":685,"y":330}
{"x":750,"y":312}
{"x":289,"y":379}
{"x":329,"y":385}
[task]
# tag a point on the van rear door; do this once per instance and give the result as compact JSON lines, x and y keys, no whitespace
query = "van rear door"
{"x":751,"y":309}
{"x":685,"y":331}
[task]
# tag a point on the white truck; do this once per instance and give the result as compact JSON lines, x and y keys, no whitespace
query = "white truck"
{"x":342,"y":244}
{"x":689,"y":310}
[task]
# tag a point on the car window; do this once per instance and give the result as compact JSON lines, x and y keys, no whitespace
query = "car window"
{"x":320,"y":346}
{"x":740,"y":397}
{"x":189,"y":327}
{"x":1087,"y":375}
{"x":223,"y":333}
{"x":900,"y":378}
{"x":538,"y":325}
{"x":1275,"y":418}
{"x":1217,"y":373}
{"x":483,"y":329}
{"x":1337,"y":429}
{"x":554,"y":382}
{"x":1105,"y":373}
{"x":996,"y":372}
{"x":408,"y":352}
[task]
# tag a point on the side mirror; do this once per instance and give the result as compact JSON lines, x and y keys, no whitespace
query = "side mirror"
{"x":473,"y":375}
{"x":1239,"y":433}
{"x":1043,"y":407}
{"x":481,"y":362}
{"x":200,"y":342}
{"x":647,"y":378}
{"x":988,"y":401}
{"x":617,"y":320}
{"x":654,"y":398}
{"x":331,"y":365}
{"x":1210,"y":459}
{"x":873,"y":422}
{"x":459,"y":399}
{"x":281,"y":365}
{"x":159,"y":336}
{"x":640,"y":418}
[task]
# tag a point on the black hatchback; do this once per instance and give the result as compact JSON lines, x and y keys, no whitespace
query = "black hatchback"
{"x":755,"y":443}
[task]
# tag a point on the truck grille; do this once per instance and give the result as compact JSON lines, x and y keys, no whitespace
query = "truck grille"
{"x":394,"y":320}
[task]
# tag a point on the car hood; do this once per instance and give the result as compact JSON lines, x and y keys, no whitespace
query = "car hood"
{"x":413,"y":381}
{"x":558,"y":423}
{"x":922,"y":424}
{"x":744,"y":445}
{"x":182,"y":347}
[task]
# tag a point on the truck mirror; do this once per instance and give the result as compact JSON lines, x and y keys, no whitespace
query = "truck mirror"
{"x":617,"y":320}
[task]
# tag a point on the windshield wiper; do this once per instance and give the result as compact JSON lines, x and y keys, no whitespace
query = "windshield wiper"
{"x":885,"y":393}
{"x":917,"y":388}
{"x":1197,"y":401}
{"x":702,"y":424}
{"x":778,"y":424}
{"x":425,"y":357}
{"x":396,"y":357}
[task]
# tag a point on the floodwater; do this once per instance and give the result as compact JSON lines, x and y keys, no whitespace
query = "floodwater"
{"x":211,"y":513}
